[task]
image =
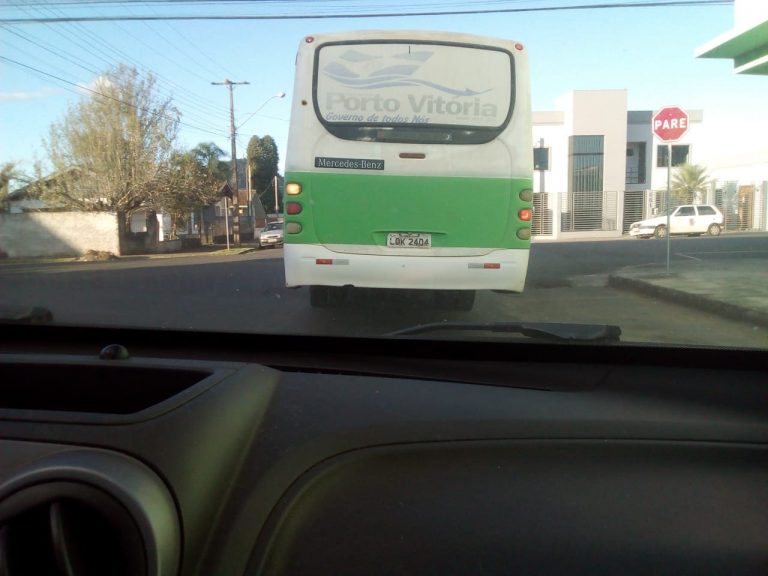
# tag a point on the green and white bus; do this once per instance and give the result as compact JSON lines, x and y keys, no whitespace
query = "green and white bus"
{"x":409,"y":165}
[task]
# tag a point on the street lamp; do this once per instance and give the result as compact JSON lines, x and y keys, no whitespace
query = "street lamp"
{"x":278,"y":95}
{"x":248,"y":180}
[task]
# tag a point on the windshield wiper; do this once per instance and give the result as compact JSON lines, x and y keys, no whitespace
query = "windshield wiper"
{"x":550,"y":331}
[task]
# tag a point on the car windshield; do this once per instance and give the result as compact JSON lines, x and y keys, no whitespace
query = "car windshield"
{"x":473,"y":168}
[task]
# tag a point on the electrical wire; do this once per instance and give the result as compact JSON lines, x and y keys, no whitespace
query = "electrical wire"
{"x":97,"y":93}
{"x":346,"y":15}
{"x":203,"y":105}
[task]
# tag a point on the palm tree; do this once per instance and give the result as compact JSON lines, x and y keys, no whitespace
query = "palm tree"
{"x":689,"y":184}
{"x":209,"y":155}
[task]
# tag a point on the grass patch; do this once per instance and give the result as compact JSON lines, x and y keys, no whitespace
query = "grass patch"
{"x":233,"y":251}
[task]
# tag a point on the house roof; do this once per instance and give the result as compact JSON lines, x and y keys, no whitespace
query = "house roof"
{"x":32,"y":190}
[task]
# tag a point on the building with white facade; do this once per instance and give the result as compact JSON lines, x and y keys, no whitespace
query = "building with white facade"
{"x":601,"y":168}
{"x":743,"y":182}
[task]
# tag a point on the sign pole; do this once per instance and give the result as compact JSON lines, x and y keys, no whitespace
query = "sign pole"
{"x":669,"y":124}
{"x":226,"y":220}
{"x":669,"y":198}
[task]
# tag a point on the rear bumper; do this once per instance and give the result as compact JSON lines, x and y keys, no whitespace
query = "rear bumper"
{"x":413,"y":272}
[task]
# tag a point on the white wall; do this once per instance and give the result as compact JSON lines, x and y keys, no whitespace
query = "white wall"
{"x":550,"y":127}
{"x":743,"y":173}
{"x":749,"y":13}
{"x":36,"y":234}
{"x":603,"y":112}
{"x":584,"y":113}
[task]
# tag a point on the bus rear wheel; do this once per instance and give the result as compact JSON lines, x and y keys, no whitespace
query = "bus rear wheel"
{"x":462,"y":300}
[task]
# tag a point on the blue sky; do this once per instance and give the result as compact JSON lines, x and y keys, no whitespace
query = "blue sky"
{"x":648,"y":51}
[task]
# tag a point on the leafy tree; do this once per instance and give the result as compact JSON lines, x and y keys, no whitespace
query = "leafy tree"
{"x":689,"y":184}
{"x":209,"y":156}
{"x":263,"y":158}
{"x":185,"y":184}
{"x":119,"y":138}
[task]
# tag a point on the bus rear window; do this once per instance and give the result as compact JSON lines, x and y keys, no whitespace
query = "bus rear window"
{"x":413,"y":92}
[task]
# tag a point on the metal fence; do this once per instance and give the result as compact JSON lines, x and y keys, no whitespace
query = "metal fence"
{"x":744,"y":206}
{"x":544,"y":208}
{"x":637,"y":206}
{"x":588,"y":211}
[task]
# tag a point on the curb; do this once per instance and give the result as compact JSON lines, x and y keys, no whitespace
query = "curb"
{"x":725,"y":309}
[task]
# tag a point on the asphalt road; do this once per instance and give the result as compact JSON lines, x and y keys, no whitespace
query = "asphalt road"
{"x":555,"y":262}
{"x":245,"y":293}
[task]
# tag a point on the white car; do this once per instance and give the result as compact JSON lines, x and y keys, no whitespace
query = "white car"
{"x":690,"y":219}
{"x":272,"y":235}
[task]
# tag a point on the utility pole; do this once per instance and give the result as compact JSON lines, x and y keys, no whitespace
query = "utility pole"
{"x":251,"y":211}
{"x":277,"y":203}
{"x":230,"y":84}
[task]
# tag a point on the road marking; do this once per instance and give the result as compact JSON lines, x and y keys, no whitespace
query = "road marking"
{"x":732,"y":252}
{"x":687,"y":256}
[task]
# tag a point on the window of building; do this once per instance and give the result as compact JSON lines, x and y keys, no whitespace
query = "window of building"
{"x":679,"y":155}
{"x":635,"y":171}
{"x":586,"y":163}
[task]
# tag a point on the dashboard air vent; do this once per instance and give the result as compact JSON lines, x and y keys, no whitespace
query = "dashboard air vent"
{"x":66,"y":529}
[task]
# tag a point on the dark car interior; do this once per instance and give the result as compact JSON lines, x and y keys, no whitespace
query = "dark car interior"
{"x":132,"y":452}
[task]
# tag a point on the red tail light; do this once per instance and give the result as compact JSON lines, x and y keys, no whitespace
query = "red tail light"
{"x":292,"y":208}
{"x":525,"y":214}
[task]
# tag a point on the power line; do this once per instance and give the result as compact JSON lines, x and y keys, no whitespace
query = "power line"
{"x":63,"y":54}
{"x":204,"y":106}
{"x":407,"y":14}
{"x":195,"y":47}
{"x":81,"y":87}
{"x":68,"y":57}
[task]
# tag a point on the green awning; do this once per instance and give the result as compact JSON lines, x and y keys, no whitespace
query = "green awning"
{"x":748,"y":49}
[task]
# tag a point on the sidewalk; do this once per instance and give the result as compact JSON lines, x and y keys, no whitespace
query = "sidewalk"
{"x":736,"y":289}
{"x":207,"y":249}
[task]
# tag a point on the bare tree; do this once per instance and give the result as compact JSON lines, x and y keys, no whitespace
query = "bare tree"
{"x":110,"y":148}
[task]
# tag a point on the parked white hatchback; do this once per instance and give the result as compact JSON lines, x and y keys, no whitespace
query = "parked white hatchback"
{"x":690,"y":219}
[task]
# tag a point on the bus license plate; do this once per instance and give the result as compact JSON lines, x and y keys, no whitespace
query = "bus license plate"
{"x":405,"y":240}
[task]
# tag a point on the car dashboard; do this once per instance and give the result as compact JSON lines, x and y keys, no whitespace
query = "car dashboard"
{"x":170,"y":453}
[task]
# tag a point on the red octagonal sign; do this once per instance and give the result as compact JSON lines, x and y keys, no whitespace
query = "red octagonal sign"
{"x":670,"y":123}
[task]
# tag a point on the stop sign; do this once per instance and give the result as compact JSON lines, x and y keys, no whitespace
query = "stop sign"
{"x":670,"y":123}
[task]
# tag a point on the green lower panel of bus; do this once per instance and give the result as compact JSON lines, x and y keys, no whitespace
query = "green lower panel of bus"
{"x":362,"y":209}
